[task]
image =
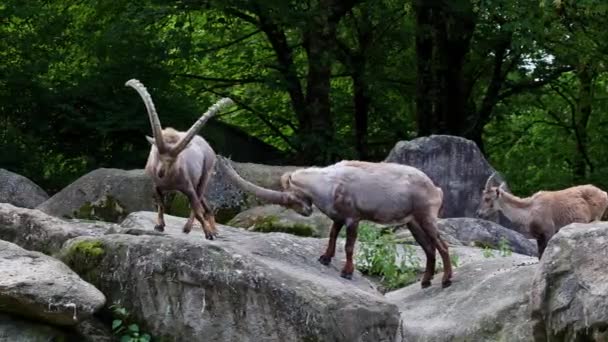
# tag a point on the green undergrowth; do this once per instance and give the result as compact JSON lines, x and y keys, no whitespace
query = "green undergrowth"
{"x":377,"y":255}
{"x":124,"y":328}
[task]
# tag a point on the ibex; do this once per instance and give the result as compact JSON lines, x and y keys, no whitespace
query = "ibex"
{"x":351,"y":191}
{"x":181,"y":161}
{"x":545,"y":212}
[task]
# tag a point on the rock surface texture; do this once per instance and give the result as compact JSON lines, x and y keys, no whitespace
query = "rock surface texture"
{"x":111,"y":194}
{"x":37,"y":231}
{"x":242,"y":286}
{"x":488,"y":301}
{"x":37,"y":286}
{"x":103,"y":194}
{"x":480,"y":233}
{"x":14,"y":329}
{"x":455,"y":164}
{"x":20,"y":191}
{"x":570,"y":291}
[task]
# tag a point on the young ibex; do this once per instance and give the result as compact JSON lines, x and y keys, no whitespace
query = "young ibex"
{"x":351,"y":191}
{"x":181,"y":161}
{"x":544,"y":213}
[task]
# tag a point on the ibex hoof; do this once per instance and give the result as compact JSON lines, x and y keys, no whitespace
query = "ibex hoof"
{"x":186,"y":229}
{"x":346,"y":275}
{"x":159,"y":228}
{"x":446,"y":283}
{"x":209,"y":236}
{"x":325,"y":260}
{"x":425,"y":283}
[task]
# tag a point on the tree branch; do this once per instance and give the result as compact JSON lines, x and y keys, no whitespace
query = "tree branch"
{"x":238,"y":40}
{"x":519,"y":87}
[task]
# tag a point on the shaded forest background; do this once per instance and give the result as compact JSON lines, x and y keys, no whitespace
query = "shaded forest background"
{"x":320,"y":80}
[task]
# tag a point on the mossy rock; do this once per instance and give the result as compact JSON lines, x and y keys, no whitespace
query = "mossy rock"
{"x":274,"y":224}
{"x":106,"y":209}
{"x":83,"y":256}
{"x":177,"y":204}
{"x":274,"y":218}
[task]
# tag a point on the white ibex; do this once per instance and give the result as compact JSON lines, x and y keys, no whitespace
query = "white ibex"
{"x":544,"y":213}
{"x":181,"y":161}
{"x":351,"y":191}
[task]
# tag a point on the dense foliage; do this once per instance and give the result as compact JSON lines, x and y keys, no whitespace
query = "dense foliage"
{"x":321,"y":80}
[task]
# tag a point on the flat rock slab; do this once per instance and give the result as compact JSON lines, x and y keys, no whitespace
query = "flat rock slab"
{"x":243,"y":286}
{"x":37,"y":286}
{"x":34,"y":230}
{"x":488,"y":301}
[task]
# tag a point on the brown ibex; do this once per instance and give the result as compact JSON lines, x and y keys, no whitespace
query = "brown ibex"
{"x":545,"y":212}
{"x":351,"y":191}
{"x":181,"y":161}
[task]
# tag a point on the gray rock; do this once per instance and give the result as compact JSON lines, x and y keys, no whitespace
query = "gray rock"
{"x":478,"y":232}
{"x":569,"y":297}
{"x":275,"y":218}
{"x":37,"y":286}
{"x":34,"y":230}
{"x":453,"y":163}
{"x":228,"y":199}
{"x":111,"y":194}
{"x":488,"y":301}
{"x":14,"y":329}
{"x":103,"y":194}
{"x":20,"y":191}
{"x":243,"y":286}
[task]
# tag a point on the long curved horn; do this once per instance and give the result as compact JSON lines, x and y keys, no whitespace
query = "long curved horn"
{"x":181,"y":145}
{"x":154,"y":121}
{"x":272,"y":196}
{"x":490,"y":179}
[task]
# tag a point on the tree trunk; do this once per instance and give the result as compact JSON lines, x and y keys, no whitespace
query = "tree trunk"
{"x":443,"y":36}
{"x":362,"y":102}
{"x":582,"y":162}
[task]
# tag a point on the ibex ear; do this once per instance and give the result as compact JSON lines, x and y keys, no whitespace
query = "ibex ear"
{"x":150,"y":140}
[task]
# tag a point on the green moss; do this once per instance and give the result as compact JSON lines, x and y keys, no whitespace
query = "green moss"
{"x":482,"y":244}
{"x":273,"y":224}
{"x":84,"y":257}
{"x":106,"y":209}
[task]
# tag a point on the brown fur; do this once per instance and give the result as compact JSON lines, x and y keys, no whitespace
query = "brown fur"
{"x":544,"y":213}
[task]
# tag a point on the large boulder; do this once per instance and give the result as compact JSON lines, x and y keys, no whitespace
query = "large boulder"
{"x":34,"y":230}
{"x":37,"y":286}
{"x":488,"y":301}
{"x":20,"y":191}
{"x":453,"y":163}
{"x":482,"y":233}
{"x":243,"y":286}
{"x":111,"y":194}
{"x":570,"y":290}
{"x":103,"y":194}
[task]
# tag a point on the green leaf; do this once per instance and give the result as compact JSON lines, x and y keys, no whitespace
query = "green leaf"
{"x":116,"y":323}
{"x":134,"y":328}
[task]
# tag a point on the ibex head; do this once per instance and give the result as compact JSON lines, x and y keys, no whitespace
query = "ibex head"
{"x":167,"y":142}
{"x":288,"y":198}
{"x":489,"y":197}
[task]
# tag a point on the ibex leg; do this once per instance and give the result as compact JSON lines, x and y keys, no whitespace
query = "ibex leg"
{"x":330,"y":251}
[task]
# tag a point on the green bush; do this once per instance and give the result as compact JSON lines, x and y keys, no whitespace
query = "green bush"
{"x":377,"y":256}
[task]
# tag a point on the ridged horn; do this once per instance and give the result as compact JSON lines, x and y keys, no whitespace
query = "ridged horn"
{"x":154,"y":121}
{"x":272,"y":196}
{"x":490,"y":180}
{"x":211,"y":112}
